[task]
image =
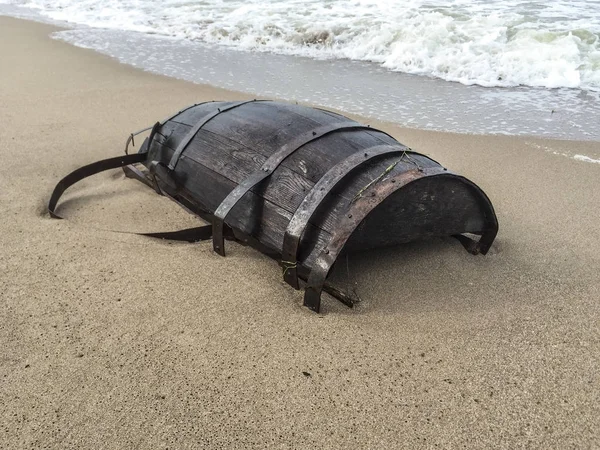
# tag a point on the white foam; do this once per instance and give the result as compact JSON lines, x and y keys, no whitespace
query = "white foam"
{"x":501,"y":43}
{"x":586,"y":159}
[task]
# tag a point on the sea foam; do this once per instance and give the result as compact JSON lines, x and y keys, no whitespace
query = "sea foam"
{"x":502,"y":43}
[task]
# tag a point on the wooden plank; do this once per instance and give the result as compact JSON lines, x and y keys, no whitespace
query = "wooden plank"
{"x":236,"y":162}
{"x":256,"y":122}
{"x":266,"y":126}
{"x":315,"y":158}
{"x":262,"y":110}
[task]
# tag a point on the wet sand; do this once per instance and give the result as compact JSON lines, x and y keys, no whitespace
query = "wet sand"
{"x":112,"y":340}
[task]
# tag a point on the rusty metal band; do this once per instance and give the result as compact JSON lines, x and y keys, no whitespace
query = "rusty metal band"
{"x":266,"y":170}
{"x":487,"y":238}
{"x":86,"y":171}
{"x":312,"y":201}
{"x":194,"y":131}
{"x":189,"y":234}
{"x":360,"y":209}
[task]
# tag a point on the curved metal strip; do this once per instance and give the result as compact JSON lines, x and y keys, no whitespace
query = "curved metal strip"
{"x":159,"y":124}
{"x":192,"y":133}
{"x":370,"y":128}
{"x":130,"y":139}
{"x":266,"y":170}
{"x":89,"y":170}
{"x":361,"y":208}
{"x":306,"y":210}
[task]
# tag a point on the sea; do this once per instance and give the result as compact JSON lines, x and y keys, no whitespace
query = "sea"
{"x":511,"y":67}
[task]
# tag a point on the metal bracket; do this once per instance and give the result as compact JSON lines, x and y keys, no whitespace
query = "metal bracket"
{"x":132,"y":171}
{"x":158,"y":169}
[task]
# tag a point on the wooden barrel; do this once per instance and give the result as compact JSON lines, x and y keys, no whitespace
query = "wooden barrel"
{"x":302,"y":184}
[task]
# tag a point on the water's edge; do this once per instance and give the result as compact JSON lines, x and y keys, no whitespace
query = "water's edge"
{"x":354,"y":87}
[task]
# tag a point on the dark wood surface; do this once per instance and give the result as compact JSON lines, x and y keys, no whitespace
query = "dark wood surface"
{"x":236,"y":143}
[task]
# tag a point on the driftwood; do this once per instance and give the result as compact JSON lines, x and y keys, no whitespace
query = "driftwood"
{"x":301,"y":185}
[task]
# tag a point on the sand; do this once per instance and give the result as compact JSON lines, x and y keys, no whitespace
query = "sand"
{"x":112,"y":340}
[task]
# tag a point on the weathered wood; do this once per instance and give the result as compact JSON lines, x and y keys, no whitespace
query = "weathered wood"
{"x":288,"y":185}
{"x":250,"y":167}
{"x":424,"y":210}
{"x":233,"y":146}
{"x":238,"y":142}
{"x":286,"y":188}
{"x":256,"y":217}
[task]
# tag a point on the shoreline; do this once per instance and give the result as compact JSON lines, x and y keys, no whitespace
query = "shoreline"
{"x":359,"y":88}
{"x":128,"y":341}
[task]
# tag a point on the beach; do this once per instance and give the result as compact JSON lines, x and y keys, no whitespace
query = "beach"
{"x":113,"y":340}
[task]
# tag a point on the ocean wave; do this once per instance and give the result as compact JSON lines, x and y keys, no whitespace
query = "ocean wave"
{"x":503,"y":43}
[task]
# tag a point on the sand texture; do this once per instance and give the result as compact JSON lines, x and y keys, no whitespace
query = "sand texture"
{"x":112,"y":340}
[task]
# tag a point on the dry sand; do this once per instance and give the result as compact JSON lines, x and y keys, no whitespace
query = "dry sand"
{"x":112,"y":340}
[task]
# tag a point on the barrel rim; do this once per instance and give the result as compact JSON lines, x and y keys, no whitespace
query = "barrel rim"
{"x":365,"y":206}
